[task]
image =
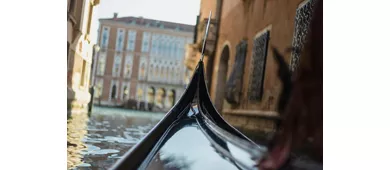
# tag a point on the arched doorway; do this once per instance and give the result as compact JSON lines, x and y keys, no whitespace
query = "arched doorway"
{"x":171,"y":98}
{"x":140,"y":98}
{"x":160,"y":96}
{"x":151,"y":94}
{"x":113,"y":92}
{"x":222,"y":77}
{"x":140,"y":94}
{"x":150,"y":97}
{"x":125,"y":93}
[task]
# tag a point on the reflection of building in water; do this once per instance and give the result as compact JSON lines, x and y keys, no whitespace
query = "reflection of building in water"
{"x":169,"y":162}
{"x":141,"y":59}
{"x":77,"y":126}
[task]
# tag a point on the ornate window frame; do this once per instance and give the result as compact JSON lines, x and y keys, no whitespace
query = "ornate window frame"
{"x":303,"y":16}
{"x":120,"y":39}
{"x":104,"y":42}
{"x":258,"y":64}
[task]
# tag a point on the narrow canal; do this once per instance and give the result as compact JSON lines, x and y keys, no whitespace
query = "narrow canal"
{"x":98,"y":141}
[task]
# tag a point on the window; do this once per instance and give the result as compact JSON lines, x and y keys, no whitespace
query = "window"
{"x":173,"y":72}
{"x":156,"y":71}
{"x":119,"y":40}
{"x":140,"y":94}
{"x":117,"y":66}
{"x":128,"y":66}
{"x":125,"y":92}
{"x":259,"y":59}
{"x":101,"y":64}
{"x":303,"y":18}
{"x":142,"y":65}
{"x":142,"y":70}
{"x":151,"y":71}
{"x":131,"y":37}
{"x":145,"y":41}
{"x":166,"y":72}
{"x":99,"y":88}
{"x":162,"y":72}
{"x":113,"y":92}
{"x":105,"y":36}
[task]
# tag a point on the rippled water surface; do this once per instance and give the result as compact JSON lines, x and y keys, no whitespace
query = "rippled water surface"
{"x":98,"y":141}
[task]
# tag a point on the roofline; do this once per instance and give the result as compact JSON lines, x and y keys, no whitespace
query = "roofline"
{"x":112,"y":19}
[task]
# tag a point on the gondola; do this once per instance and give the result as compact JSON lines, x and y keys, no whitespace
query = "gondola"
{"x":193,"y":135}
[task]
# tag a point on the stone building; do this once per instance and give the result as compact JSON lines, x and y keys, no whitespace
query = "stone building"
{"x":140,"y":59}
{"x":244,"y":84}
{"x":79,"y":53}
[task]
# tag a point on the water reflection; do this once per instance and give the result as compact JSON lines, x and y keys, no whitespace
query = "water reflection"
{"x":77,"y":126}
{"x":99,"y":141}
{"x":188,"y":148}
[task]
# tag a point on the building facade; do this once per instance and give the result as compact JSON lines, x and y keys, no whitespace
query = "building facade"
{"x":79,"y":53}
{"x":244,"y":83}
{"x":140,"y":59}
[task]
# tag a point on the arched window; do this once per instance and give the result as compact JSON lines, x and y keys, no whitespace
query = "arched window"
{"x":151,"y":70}
{"x":125,"y":92}
{"x":162,"y":72}
{"x":113,"y":92}
{"x":128,"y":66}
{"x":117,"y":65}
{"x":143,"y":70}
{"x":120,"y":40}
{"x":156,"y":71}
{"x":99,"y":88}
{"x":104,"y":39}
{"x":102,"y":60}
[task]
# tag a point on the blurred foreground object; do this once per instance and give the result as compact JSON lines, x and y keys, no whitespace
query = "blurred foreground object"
{"x":302,"y":107}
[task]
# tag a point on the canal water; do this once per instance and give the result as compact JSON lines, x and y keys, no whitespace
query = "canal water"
{"x":97,"y":141}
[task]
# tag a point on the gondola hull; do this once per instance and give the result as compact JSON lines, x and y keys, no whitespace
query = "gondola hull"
{"x":193,"y":135}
